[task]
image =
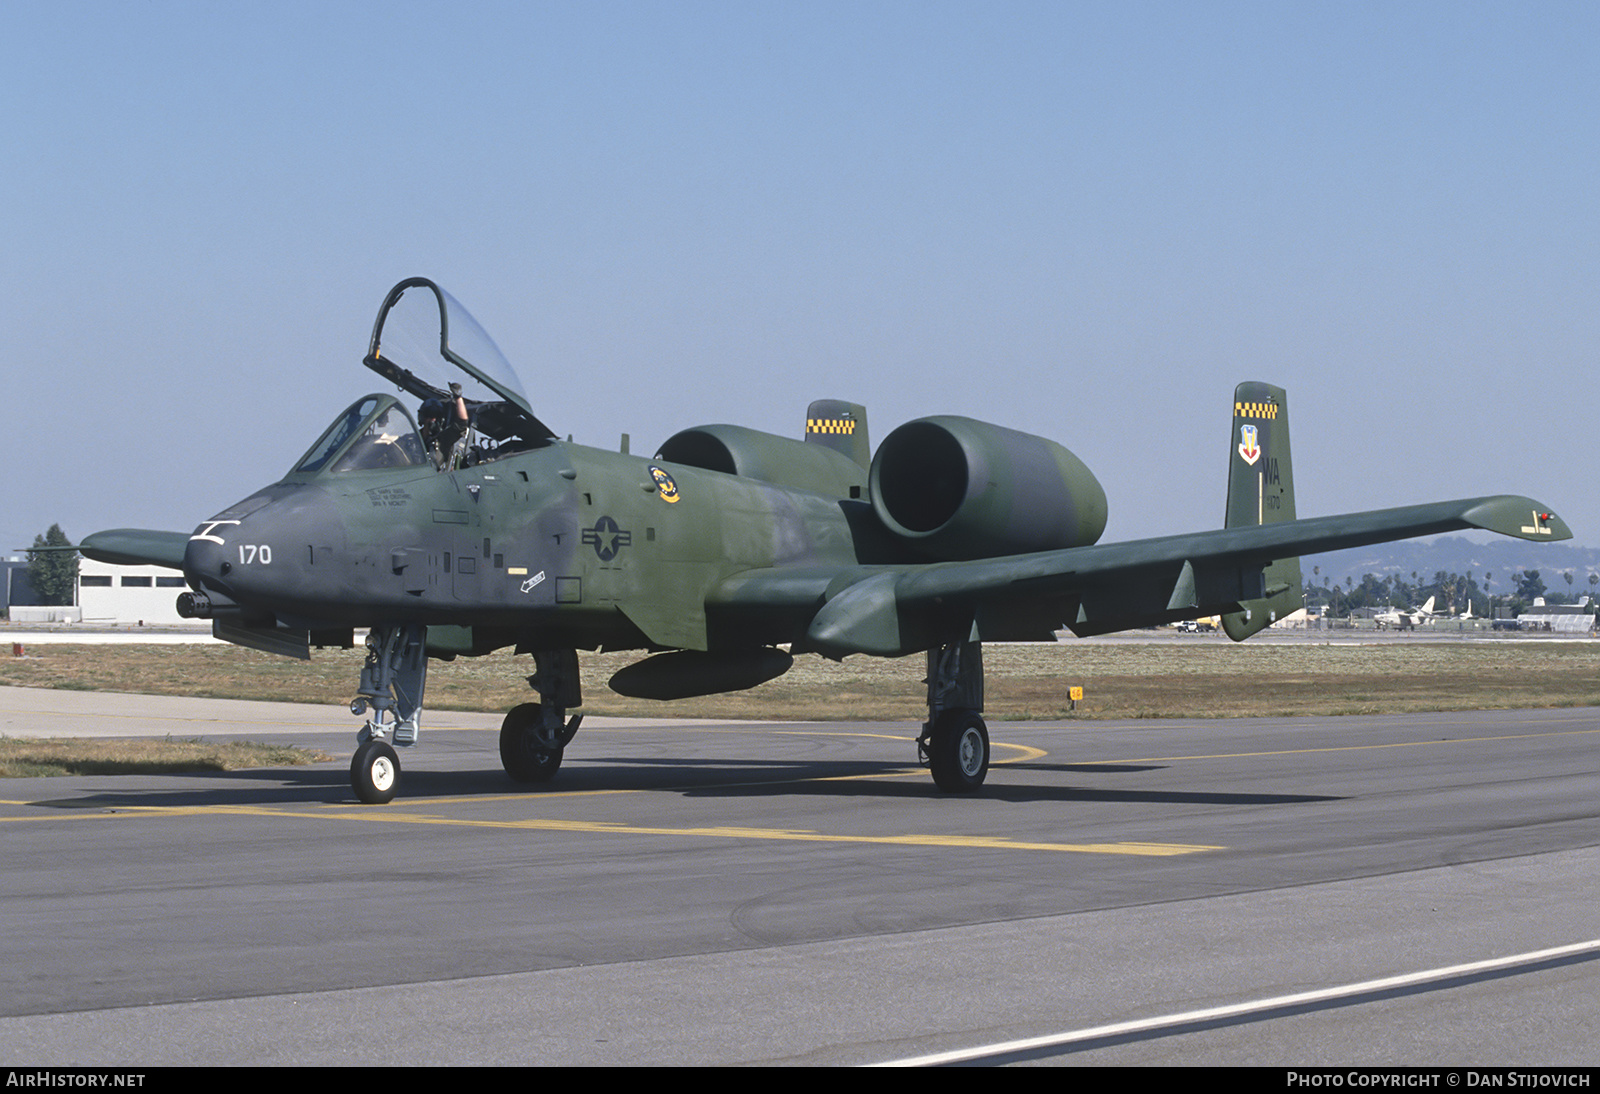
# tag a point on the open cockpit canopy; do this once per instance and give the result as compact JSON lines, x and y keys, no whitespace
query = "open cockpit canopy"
{"x":424,"y":341}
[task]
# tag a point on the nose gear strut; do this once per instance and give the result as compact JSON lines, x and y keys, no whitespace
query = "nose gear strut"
{"x":392,"y":683}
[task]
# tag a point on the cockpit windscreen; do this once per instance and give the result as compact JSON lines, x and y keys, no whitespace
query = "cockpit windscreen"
{"x":375,"y":432}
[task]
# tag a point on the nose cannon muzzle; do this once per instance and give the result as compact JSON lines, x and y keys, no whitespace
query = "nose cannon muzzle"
{"x":206,"y":605}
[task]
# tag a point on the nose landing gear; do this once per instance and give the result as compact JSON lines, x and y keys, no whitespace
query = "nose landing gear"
{"x":392,"y":683}
{"x":375,"y":772}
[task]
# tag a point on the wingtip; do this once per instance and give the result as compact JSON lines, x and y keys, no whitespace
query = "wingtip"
{"x":1520,"y":517}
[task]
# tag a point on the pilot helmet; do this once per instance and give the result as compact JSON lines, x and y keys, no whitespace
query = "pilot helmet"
{"x":431,"y":412}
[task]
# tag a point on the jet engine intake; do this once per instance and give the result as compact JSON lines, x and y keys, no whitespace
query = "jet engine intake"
{"x":956,"y":488}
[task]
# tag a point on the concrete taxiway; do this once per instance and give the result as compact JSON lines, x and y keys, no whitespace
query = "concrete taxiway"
{"x":764,"y":892}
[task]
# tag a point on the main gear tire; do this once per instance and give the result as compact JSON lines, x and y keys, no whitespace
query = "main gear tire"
{"x":958,"y":752}
{"x":524,"y":759}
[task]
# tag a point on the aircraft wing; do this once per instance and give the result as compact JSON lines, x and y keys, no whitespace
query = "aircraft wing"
{"x":893,"y":610}
{"x":136,"y":547}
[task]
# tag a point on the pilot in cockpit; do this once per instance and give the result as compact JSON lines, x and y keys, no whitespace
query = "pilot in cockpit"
{"x":446,"y":429}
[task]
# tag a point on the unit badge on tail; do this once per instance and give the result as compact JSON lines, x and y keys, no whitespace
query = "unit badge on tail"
{"x":1249,"y":450}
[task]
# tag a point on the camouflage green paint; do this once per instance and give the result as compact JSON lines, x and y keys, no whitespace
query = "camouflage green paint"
{"x":1261,"y":491}
{"x":732,"y":540}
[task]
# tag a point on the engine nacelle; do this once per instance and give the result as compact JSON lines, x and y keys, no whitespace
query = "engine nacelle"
{"x":956,"y":488}
{"x":736,"y":450}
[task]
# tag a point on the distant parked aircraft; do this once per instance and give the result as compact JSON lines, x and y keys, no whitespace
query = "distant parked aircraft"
{"x":1403,"y":620}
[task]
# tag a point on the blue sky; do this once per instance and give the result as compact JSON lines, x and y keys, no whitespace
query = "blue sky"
{"x":1083,"y":221}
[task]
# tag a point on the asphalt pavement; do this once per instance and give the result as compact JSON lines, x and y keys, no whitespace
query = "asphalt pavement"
{"x":699,"y":892}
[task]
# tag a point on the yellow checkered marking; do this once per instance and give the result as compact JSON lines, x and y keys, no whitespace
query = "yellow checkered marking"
{"x":1269,"y":411}
{"x":830,"y":425}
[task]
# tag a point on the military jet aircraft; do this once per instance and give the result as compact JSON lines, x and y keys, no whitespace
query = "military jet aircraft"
{"x":470,"y":527}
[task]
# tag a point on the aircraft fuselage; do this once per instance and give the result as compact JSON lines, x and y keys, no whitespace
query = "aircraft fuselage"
{"x":585,"y":547}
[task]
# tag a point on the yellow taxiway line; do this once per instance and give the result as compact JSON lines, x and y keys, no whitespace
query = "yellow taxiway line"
{"x":392,"y":815}
{"x":1348,"y":748}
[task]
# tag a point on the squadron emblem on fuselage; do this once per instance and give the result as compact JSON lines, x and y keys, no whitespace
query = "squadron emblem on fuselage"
{"x":664,"y":484}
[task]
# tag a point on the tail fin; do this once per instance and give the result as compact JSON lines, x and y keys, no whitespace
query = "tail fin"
{"x":1261,"y":491}
{"x":840,"y":426}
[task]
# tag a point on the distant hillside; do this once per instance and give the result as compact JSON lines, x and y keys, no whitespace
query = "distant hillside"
{"x":1460,"y":555}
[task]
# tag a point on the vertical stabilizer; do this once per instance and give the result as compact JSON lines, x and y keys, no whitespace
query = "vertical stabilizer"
{"x":1261,"y":491}
{"x":840,"y":426}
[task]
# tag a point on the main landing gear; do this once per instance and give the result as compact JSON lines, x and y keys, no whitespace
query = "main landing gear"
{"x":954,"y":743}
{"x":535,"y":735}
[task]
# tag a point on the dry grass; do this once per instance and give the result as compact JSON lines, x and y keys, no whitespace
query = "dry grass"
{"x":1165,"y":678}
{"x":22,"y":757}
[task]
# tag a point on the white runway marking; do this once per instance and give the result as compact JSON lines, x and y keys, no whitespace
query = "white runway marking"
{"x":1236,"y":1010}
